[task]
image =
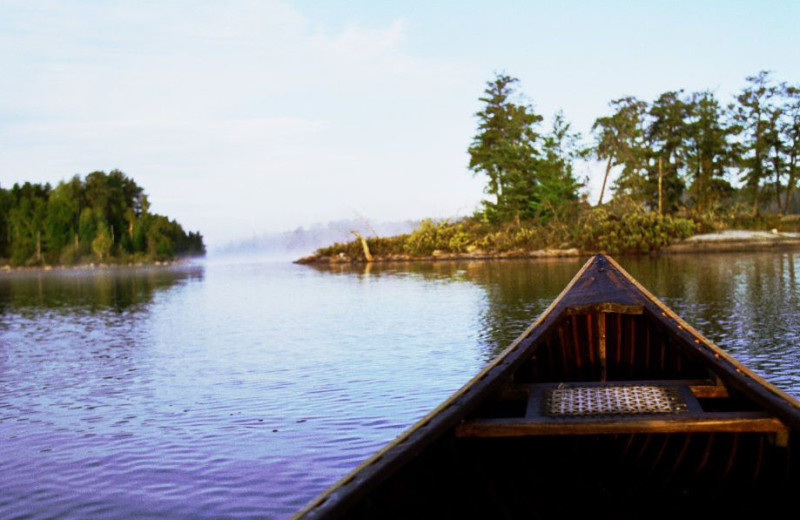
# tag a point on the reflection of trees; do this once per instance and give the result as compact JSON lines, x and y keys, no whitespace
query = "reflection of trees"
{"x":116,"y":289}
{"x":516,"y":293}
{"x":749,"y":303}
{"x":516,"y":290}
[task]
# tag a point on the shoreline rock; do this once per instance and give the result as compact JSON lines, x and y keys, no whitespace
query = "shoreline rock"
{"x":734,"y":241}
{"x":99,"y":266}
{"x":439,"y":256}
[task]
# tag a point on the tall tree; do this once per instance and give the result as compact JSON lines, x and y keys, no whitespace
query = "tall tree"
{"x":619,"y":141}
{"x":505,"y":149}
{"x":557,"y":188}
{"x":665,"y":152}
{"x":752,"y":115}
{"x":63,"y":217}
{"x":775,"y":151}
{"x":26,"y":222}
{"x":708,"y":150}
{"x":791,"y":134}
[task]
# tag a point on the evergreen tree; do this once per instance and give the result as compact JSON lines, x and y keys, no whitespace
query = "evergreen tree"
{"x":790,"y":129}
{"x":752,"y":114}
{"x":620,"y":141}
{"x":665,"y":154}
{"x":557,"y":189}
{"x":505,"y":150}
{"x":708,"y":151}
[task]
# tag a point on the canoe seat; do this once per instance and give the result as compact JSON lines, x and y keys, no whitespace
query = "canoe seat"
{"x":595,"y":408}
{"x":612,"y":399}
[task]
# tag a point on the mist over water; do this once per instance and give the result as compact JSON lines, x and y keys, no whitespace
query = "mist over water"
{"x":242,"y":389}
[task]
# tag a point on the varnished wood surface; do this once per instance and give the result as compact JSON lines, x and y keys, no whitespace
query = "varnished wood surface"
{"x":738,"y":422}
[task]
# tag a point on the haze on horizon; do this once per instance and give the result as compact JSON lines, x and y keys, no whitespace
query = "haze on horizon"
{"x":245,"y":117}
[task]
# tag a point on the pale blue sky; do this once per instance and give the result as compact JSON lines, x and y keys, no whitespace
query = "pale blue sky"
{"x":241,"y":117}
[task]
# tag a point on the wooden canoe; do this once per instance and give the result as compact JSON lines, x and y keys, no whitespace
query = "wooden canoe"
{"x":608,"y":406}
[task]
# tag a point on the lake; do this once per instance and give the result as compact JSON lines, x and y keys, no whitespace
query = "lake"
{"x":243,"y":389}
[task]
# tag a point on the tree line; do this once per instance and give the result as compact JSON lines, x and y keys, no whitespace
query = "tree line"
{"x":682,"y":153}
{"x":103,"y":218}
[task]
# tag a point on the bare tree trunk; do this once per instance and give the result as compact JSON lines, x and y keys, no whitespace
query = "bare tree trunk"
{"x":755,"y":199}
{"x":776,"y":162}
{"x":605,"y":179}
{"x":364,"y":245}
{"x":789,"y":187}
{"x":660,"y":180}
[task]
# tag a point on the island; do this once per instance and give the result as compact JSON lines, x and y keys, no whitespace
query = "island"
{"x":104,"y":218}
{"x":692,"y":173}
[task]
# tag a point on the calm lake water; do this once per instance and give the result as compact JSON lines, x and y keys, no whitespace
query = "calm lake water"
{"x":242,"y":390}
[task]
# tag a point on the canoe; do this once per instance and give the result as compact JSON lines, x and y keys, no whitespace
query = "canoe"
{"x":609,"y":405}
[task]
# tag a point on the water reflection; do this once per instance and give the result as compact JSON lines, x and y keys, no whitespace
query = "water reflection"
{"x":747,"y":303}
{"x":515,"y":291}
{"x":241,"y":391}
{"x":117,"y":289}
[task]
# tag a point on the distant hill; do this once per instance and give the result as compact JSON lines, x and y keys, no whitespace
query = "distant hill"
{"x":303,"y":241}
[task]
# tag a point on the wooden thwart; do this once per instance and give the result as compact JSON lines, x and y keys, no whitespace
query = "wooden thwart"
{"x":752,"y":422}
{"x":690,"y":419}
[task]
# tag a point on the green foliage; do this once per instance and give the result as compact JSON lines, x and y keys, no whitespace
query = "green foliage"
{"x":620,"y":142}
{"x":105,"y":217}
{"x":625,"y":229}
{"x":709,"y":152}
{"x":529,"y":175}
{"x":630,"y":232}
{"x":429,"y":237}
{"x":511,"y":238}
{"x":469,"y":235}
{"x":102,"y":242}
{"x":755,"y":115}
{"x":505,"y":148}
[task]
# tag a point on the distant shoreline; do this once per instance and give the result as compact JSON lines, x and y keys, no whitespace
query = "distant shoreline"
{"x":726,"y":241}
{"x":100,"y":266}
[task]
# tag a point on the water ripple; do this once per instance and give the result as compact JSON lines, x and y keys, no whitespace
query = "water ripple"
{"x":241,"y":391}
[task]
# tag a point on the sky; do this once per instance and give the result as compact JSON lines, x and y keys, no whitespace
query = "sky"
{"x":245,"y":117}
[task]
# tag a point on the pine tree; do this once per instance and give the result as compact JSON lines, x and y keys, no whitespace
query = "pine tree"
{"x":505,"y":150}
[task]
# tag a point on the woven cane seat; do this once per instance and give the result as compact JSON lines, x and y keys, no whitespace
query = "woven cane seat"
{"x":588,"y":401}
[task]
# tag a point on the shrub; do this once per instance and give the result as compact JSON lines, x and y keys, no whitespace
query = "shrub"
{"x":634,"y":232}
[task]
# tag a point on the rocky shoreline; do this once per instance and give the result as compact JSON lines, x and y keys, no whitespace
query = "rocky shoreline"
{"x":439,"y":256}
{"x":88,"y":267}
{"x":725,"y":241}
{"x":734,"y":241}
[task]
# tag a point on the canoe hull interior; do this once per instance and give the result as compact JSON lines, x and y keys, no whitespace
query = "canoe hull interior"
{"x":605,"y":476}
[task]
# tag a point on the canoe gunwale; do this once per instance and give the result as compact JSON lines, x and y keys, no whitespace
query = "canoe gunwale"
{"x":635,"y":300}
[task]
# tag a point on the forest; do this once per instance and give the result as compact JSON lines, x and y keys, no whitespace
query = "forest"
{"x":682,"y":153}
{"x":683,"y":163}
{"x":103,"y":218}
